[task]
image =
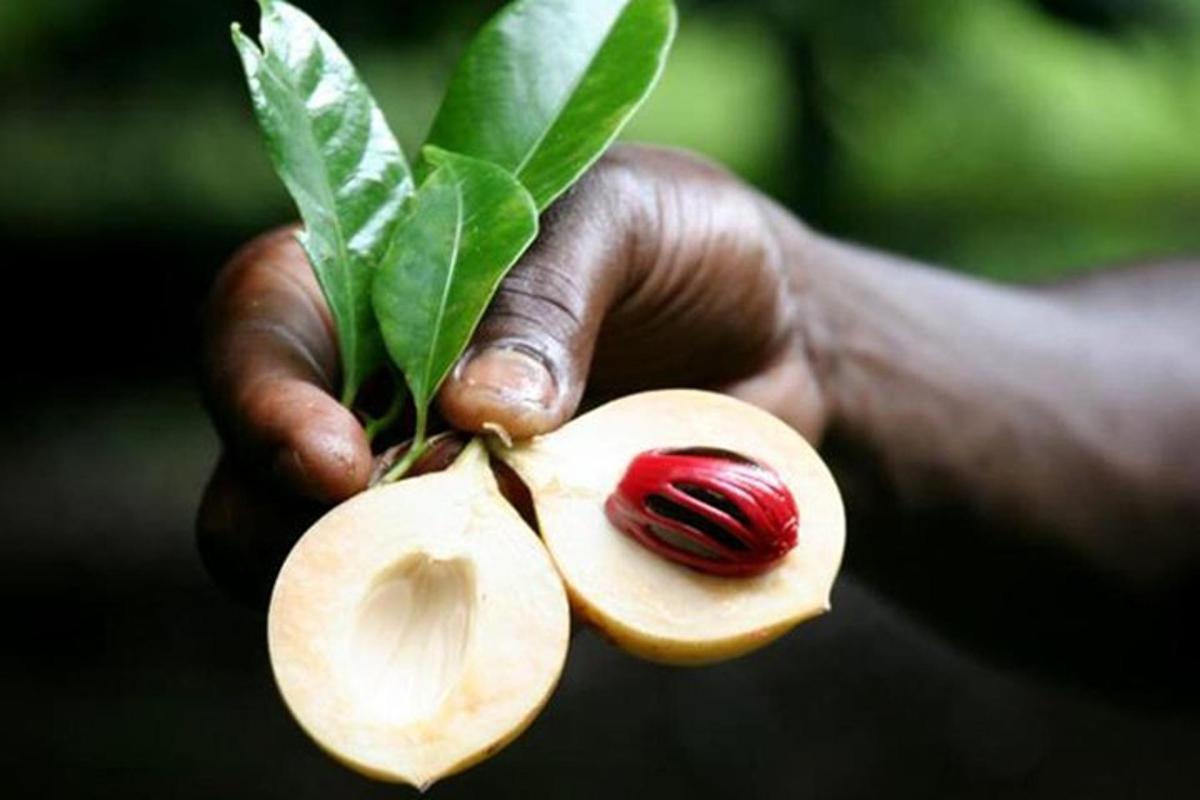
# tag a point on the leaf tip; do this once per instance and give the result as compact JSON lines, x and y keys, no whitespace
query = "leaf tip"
{"x":246,"y":47}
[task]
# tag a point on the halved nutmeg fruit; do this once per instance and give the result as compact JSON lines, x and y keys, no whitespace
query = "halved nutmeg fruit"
{"x":699,"y":585}
{"x":420,"y":626}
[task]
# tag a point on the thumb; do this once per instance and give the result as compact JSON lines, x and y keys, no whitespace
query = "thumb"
{"x":527,"y":366}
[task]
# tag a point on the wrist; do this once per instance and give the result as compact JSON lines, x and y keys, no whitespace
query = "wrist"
{"x":809,"y":262}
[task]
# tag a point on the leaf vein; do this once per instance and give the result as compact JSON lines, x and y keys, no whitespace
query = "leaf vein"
{"x":579,"y":80}
{"x":450,"y":275}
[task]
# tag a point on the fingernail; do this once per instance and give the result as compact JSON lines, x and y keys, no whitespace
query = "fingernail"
{"x":513,"y":375}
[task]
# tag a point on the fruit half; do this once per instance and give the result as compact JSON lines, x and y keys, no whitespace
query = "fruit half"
{"x":420,"y":626}
{"x":650,"y":606}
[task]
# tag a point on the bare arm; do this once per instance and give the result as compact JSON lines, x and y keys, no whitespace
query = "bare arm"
{"x":1067,"y":412}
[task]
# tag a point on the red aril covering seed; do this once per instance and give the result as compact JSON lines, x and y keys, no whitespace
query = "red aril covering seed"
{"x":712,"y":510}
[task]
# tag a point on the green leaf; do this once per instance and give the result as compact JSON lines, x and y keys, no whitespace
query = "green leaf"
{"x":465,"y":227}
{"x":339,"y":160}
{"x":546,"y":85}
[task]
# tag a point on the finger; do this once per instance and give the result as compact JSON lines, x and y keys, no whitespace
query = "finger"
{"x":527,"y":365}
{"x":269,"y":366}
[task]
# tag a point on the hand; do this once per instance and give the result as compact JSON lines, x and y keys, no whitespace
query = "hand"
{"x":973,"y":427}
{"x":656,"y":270}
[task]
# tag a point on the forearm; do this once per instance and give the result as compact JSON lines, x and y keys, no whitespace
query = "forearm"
{"x":1064,"y":413}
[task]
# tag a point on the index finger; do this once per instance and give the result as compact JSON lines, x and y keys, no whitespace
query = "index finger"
{"x":269,"y":368}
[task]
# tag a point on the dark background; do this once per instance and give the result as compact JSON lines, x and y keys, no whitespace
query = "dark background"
{"x":1013,"y":139}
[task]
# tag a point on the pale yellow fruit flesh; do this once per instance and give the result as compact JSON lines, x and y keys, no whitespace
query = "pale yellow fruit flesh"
{"x":652,"y":607}
{"x":418,"y":627}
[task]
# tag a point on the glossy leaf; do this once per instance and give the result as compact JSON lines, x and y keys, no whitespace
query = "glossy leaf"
{"x":339,"y":160}
{"x":464,"y":228}
{"x":547,"y":85}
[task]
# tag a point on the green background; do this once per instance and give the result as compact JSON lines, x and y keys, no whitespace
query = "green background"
{"x":988,"y":135}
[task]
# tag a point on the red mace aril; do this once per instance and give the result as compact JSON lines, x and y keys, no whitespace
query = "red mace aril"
{"x":712,"y":510}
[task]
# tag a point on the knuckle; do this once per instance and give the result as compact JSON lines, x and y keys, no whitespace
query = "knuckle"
{"x":258,"y":409}
{"x":543,"y":302}
{"x":606,"y":198}
{"x":656,"y":199}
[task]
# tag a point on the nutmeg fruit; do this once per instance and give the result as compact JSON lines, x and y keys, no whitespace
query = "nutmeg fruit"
{"x":649,"y":605}
{"x":420,"y":626}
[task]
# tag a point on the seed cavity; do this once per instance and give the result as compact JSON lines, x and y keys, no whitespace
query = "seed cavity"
{"x":410,"y":639}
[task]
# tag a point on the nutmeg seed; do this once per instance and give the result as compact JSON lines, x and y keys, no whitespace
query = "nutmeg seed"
{"x":712,"y":510}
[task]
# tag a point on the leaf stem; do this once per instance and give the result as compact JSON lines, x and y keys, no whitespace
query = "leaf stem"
{"x":415,"y":451}
{"x":376,"y":426}
{"x":349,"y":392}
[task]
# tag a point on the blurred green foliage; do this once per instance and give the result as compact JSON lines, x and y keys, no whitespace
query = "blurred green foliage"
{"x":1032,"y":146}
{"x":725,"y":93}
{"x":991,"y":135}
